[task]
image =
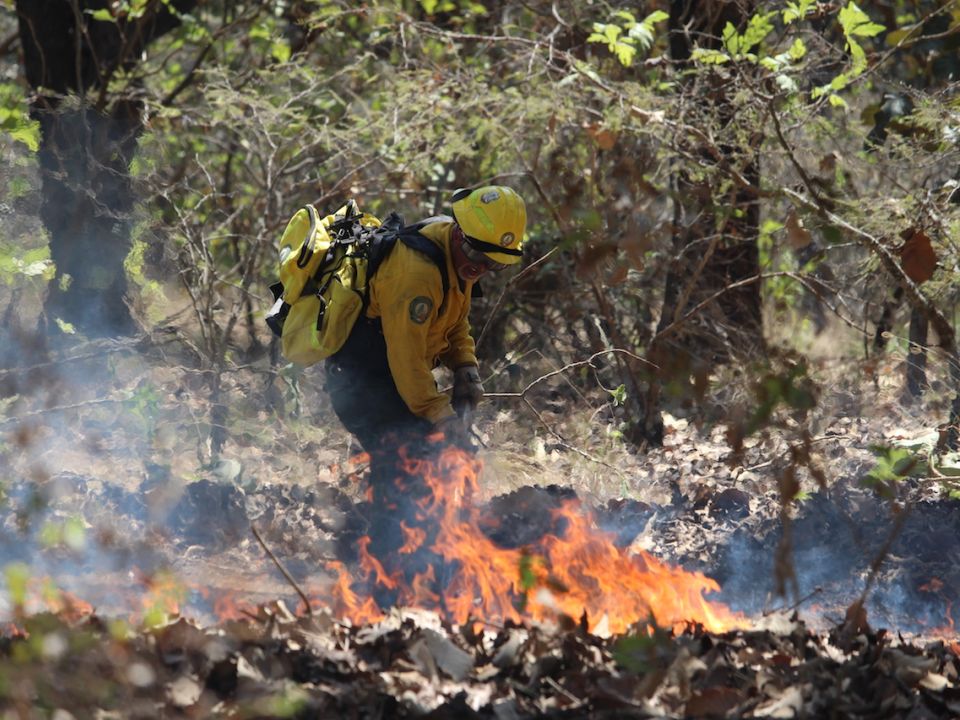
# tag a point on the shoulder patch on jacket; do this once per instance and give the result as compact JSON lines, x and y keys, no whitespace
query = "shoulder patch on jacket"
{"x":420,"y":308}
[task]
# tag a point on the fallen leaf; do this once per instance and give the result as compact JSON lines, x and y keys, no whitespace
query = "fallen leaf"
{"x":184,"y":691}
{"x":934,"y":682}
{"x":785,"y":705}
{"x":713,"y":701}
{"x":450,"y":659}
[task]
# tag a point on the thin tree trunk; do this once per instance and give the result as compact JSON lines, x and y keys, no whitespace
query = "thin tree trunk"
{"x":917,"y":356}
{"x":707,"y":258}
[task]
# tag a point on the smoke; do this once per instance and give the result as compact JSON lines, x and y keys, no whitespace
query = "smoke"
{"x":833,"y":552}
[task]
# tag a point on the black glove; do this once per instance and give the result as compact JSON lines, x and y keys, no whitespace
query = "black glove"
{"x":467,"y":389}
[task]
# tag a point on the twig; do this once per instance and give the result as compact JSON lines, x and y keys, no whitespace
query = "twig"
{"x":522,"y":395}
{"x":63,"y":408}
{"x":283,"y":570}
{"x":570,"y":366}
{"x":565,"y":443}
{"x":562,"y":690}
{"x":101,"y":349}
{"x":881,"y":555}
{"x":816,"y":591}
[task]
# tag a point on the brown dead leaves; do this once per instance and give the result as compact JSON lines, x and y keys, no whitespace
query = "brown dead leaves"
{"x":412,"y":664}
{"x":917,"y":257}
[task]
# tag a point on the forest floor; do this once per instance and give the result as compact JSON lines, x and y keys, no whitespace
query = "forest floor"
{"x":114,"y":506}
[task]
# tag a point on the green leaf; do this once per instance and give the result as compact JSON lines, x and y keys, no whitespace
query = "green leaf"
{"x":36,"y":268}
{"x":29,"y":136}
{"x":619,"y":395}
{"x":655,"y":17}
{"x":797,"y":10}
{"x":625,"y":53}
{"x":280,"y":51}
{"x":731,"y":39}
{"x":624,"y":46}
{"x":893,"y":464}
{"x":644,"y":651}
{"x":642,"y":34}
{"x":757,"y":30}
{"x":770,"y":226}
{"x":837,"y":101}
{"x":102,"y":15}
{"x":65,"y":327}
{"x":797,"y":50}
{"x":949,"y":464}
{"x":18,"y":576}
{"x":74,"y":534}
{"x":855,"y":22}
{"x":710,"y":57}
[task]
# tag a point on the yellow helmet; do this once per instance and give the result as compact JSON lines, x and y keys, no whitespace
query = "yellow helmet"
{"x":493,"y":219}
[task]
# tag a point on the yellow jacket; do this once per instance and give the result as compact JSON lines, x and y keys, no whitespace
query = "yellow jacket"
{"x":407,"y":294}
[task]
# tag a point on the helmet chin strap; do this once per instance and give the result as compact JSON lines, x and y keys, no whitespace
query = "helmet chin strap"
{"x":460,"y":260}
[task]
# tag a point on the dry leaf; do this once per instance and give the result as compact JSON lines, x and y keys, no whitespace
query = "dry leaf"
{"x":934,"y":682}
{"x":184,"y":691}
{"x":713,"y":701}
{"x":798,"y":237}
{"x":618,"y":275}
{"x":604,"y":137}
{"x":451,"y":659}
{"x":917,"y":257}
{"x":786,"y":705}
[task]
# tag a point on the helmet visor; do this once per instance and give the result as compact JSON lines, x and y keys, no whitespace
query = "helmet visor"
{"x":478,"y":257}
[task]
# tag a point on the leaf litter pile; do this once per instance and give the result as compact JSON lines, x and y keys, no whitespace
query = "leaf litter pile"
{"x":411,"y":664}
{"x":266,"y":661}
{"x":164,"y":604}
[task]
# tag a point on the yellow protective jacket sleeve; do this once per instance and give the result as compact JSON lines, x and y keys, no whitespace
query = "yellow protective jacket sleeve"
{"x":406,"y":294}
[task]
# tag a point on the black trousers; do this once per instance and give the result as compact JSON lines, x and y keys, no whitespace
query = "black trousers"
{"x":365,"y":399}
{"x":364,"y":395}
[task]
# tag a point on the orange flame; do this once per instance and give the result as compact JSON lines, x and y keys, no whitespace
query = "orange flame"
{"x":413,"y":538}
{"x":227,"y":607}
{"x":69,"y":607}
{"x":580,"y":571}
{"x":346,"y":602}
{"x":164,"y":593}
{"x":948,"y":632}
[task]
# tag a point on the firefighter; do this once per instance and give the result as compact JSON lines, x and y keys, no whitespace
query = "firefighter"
{"x":381,"y":383}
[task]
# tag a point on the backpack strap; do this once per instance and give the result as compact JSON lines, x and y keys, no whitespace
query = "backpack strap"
{"x":382,"y":241}
{"x":411,"y":237}
{"x":306,"y":249}
{"x":393,"y":229}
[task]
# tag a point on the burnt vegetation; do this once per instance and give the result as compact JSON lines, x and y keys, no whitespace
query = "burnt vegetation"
{"x":718,"y":466}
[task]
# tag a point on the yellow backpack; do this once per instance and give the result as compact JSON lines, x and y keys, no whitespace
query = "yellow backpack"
{"x":325,"y":268}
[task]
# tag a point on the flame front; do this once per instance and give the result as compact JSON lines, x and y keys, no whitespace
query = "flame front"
{"x":579,"y":570}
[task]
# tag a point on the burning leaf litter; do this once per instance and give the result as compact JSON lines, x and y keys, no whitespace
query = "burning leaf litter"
{"x":576,"y":571}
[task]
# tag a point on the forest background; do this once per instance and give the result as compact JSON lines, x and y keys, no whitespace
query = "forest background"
{"x":742,"y":234}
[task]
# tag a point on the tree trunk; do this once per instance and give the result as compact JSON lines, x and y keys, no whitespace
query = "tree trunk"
{"x":86,"y":147}
{"x":917,"y":354}
{"x":712,"y":251}
{"x":87,"y":199}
